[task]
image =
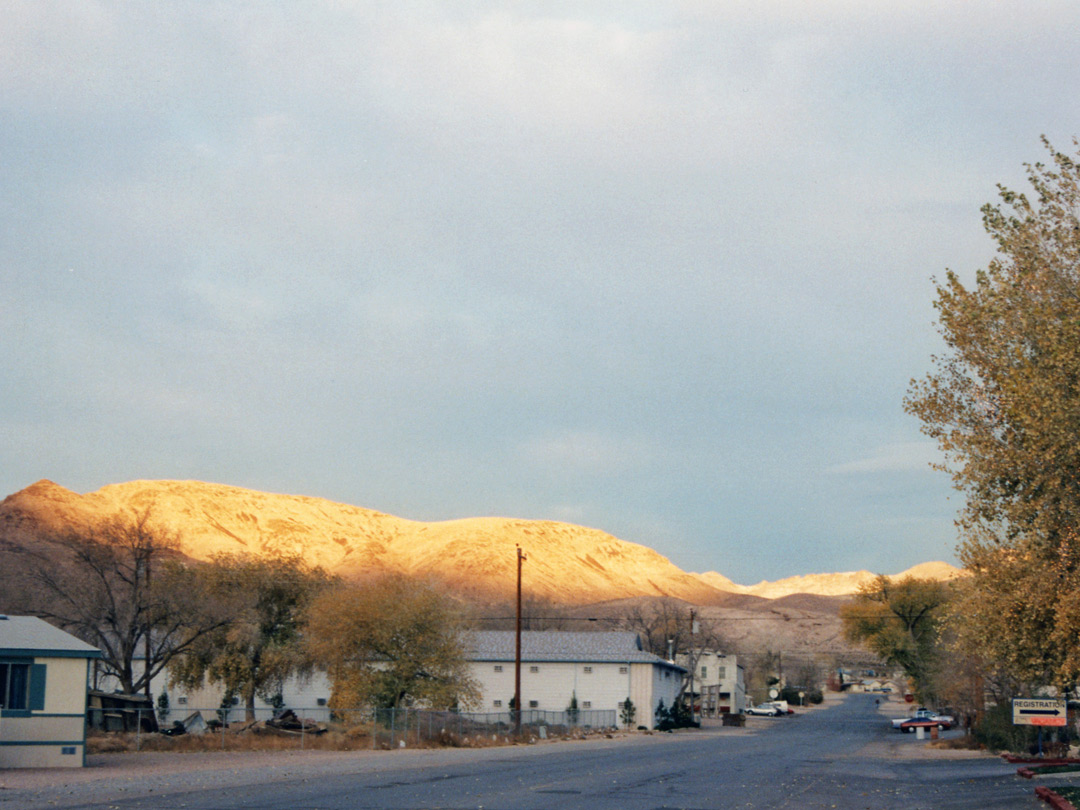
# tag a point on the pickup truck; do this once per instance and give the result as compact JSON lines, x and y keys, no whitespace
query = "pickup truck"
{"x":926,"y":718}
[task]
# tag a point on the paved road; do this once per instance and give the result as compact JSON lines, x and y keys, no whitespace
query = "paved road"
{"x":843,"y":757}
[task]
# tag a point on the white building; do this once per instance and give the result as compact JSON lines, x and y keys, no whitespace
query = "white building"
{"x":43,"y":688}
{"x":601,"y":670}
{"x":719,"y":683}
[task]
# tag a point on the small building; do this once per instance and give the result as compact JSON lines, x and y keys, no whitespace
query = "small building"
{"x":719,"y":682}
{"x":43,"y":680}
{"x":601,"y":670}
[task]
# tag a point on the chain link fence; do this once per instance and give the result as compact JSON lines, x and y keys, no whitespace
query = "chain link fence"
{"x":387,"y":728}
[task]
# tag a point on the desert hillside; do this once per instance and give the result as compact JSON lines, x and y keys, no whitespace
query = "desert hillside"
{"x":566,"y":563}
{"x":840,"y":584}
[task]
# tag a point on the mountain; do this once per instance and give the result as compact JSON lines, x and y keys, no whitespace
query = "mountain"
{"x":842,"y":584}
{"x":475,"y":556}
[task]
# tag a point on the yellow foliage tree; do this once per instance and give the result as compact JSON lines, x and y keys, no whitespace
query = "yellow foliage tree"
{"x":392,"y":643}
{"x":1003,"y":403}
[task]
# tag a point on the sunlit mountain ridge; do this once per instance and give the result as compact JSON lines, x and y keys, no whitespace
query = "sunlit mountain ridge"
{"x":567,"y":563}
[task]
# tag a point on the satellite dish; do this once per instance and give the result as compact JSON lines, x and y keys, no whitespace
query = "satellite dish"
{"x":774,"y":694}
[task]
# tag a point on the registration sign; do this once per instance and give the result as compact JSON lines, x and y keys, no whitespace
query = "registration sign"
{"x":1038,"y":712}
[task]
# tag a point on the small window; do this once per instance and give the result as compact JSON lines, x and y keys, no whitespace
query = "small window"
{"x":588,"y":670}
{"x":721,"y":673}
{"x":67,"y":750}
{"x":236,"y":701}
{"x":623,"y":670}
{"x":181,"y":701}
{"x":534,"y":669}
{"x":587,"y":704}
{"x":704,"y":672}
{"x":498,"y":667}
{"x":497,"y":704}
{"x":14,"y":686}
{"x":622,"y":705}
{"x":320,"y":701}
{"x":533,"y":704}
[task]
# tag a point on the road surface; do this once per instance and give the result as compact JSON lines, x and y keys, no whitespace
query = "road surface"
{"x":843,"y":757}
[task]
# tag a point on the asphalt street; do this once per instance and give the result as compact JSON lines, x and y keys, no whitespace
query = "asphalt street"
{"x":844,"y":757}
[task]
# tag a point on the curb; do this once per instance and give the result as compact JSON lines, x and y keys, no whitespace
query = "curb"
{"x":1053,"y":799}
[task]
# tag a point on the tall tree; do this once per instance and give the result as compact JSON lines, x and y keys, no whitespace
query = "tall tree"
{"x":1003,"y":403}
{"x":900,"y":622}
{"x":122,"y":586}
{"x":393,"y":642}
{"x":261,"y":646}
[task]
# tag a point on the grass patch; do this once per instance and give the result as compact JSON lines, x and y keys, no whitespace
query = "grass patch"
{"x":1041,"y":770}
{"x":1069,"y":794}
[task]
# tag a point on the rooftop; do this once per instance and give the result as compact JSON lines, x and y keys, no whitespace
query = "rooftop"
{"x":30,"y":635}
{"x":561,"y":646}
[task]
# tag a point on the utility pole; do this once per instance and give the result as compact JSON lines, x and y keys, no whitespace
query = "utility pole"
{"x":517,"y":648}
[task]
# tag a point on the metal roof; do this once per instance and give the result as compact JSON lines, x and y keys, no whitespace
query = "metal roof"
{"x":29,"y":635}
{"x":562,"y":646}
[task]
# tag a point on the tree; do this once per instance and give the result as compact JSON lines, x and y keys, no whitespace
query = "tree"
{"x":572,"y":710}
{"x":122,"y":586}
{"x":1003,"y":403}
{"x":628,"y":712}
{"x":392,"y":643}
{"x":900,"y":622}
{"x":261,"y":646}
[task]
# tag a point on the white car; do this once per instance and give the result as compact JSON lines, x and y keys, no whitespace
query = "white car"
{"x":767,"y":709}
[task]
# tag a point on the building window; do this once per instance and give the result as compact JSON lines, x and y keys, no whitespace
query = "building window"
{"x":497,"y":704}
{"x":587,"y":704}
{"x":534,"y":669}
{"x":704,"y":672}
{"x":588,"y":670}
{"x":721,"y":672}
{"x":320,"y":701}
{"x":498,"y":667}
{"x":623,"y":670}
{"x":181,"y":701}
{"x":534,"y":704}
{"x":14,"y":686}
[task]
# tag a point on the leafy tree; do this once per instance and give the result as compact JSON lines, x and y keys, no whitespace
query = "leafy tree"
{"x":628,"y":712}
{"x":261,"y":646}
{"x":121,"y":585}
{"x":392,"y":643}
{"x":900,"y":622}
{"x":572,"y":710}
{"x":1003,"y":404}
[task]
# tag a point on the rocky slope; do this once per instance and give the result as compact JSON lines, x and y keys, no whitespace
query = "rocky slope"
{"x":476,"y":556}
{"x":566,"y":563}
{"x":841,"y":584}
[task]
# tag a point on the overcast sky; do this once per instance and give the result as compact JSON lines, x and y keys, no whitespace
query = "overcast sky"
{"x":659,"y":268}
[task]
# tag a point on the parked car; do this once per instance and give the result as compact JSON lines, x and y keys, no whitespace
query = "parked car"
{"x":767,"y":709}
{"x":924,"y":717}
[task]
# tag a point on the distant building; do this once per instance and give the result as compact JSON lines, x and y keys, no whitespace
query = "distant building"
{"x":719,"y":683}
{"x":43,"y":688}
{"x":601,"y":669}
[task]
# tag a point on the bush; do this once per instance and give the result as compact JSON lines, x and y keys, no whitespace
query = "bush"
{"x":791,"y":695}
{"x":996,"y":731}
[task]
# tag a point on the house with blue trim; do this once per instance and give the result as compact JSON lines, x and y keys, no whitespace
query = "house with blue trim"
{"x":43,"y":687}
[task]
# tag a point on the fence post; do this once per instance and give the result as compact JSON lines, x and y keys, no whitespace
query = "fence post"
{"x":138,"y":729}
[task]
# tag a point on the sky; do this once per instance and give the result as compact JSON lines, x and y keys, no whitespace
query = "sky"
{"x":661,"y":269}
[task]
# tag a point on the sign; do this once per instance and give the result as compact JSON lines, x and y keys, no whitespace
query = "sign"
{"x":1038,"y":712}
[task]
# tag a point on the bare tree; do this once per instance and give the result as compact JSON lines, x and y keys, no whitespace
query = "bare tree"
{"x":122,"y":586}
